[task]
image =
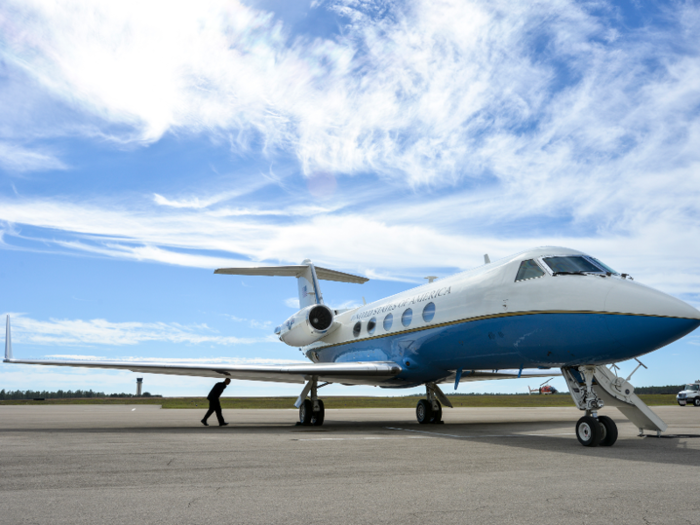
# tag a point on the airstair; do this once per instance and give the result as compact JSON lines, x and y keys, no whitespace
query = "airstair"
{"x":595,"y":386}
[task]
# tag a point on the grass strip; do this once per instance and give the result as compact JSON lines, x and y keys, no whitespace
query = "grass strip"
{"x":484,"y":401}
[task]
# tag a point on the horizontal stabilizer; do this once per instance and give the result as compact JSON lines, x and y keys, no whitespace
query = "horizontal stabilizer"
{"x":294,"y":271}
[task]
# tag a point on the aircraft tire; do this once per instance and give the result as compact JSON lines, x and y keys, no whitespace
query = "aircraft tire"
{"x":588,"y":431}
{"x":318,"y":417}
{"x":437,"y":415}
{"x":305,"y":412}
{"x":696,"y":401}
{"x":424,"y":412}
{"x":609,"y":429}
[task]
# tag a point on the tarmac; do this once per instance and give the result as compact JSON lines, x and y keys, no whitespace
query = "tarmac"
{"x":135,"y":464}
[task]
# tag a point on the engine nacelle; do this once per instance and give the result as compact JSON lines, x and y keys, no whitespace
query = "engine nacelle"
{"x":307,"y":326}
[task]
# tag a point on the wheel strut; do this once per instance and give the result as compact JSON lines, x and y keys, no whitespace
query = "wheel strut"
{"x":311,"y":411}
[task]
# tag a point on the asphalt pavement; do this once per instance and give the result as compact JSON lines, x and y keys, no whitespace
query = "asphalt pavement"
{"x":140,"y":464}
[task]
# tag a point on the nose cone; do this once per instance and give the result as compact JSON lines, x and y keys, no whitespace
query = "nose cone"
{"x":646,"y":319}
{"x":631,"y":298}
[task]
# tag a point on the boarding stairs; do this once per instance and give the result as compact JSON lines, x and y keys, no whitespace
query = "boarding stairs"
{"x":595,"y":386}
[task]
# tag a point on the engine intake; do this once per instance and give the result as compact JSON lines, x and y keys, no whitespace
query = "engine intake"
{"x":307,"y":326}
{"x":320,"y":317}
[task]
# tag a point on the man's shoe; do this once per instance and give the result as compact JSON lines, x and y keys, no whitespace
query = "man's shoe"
{"x":223,"y":424}
{"x":205,"y":423}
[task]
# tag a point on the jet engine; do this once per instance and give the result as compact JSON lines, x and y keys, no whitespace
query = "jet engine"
{"x":307,"y":326}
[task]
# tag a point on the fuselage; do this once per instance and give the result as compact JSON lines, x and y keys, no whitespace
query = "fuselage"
{"x":491,"y":318}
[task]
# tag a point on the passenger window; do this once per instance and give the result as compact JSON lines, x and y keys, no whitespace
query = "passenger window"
{"x":528,"y":270}
{"x":388,"y":321}
{"x":357,"y":328}
{"x":406,"y":317}
{"x":371,"y":325}
{"x":429,"y":312}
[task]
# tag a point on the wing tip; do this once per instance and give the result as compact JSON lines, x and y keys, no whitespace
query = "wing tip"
{"x":8,"y":341}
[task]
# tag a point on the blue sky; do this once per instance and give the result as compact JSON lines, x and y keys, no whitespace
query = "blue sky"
{"x":144,"y":144}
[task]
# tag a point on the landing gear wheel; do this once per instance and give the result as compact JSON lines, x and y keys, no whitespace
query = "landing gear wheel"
{"x":696,"y":401}
{"x":305,"y":412}
{"x":318,"y":417}
{"x":588,"y":431}
{"x":424,"y":411}
{"x":437,"y":415}
{"x":609,"y":430}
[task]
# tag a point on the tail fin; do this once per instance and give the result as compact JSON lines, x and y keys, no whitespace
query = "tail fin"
{"x":307,"y":276}
{"x":8,"y":341}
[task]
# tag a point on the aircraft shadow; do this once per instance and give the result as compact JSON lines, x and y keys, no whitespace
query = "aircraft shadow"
{"x":542,"y":435}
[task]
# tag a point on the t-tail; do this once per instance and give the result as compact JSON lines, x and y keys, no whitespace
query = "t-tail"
{"x":314,"y":320}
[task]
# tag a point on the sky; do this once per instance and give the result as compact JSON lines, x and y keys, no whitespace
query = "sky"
{"x":144,"y":144}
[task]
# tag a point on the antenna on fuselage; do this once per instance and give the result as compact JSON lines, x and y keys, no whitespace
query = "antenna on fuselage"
{"x":487,"y":260}
{"x":430,"y":278}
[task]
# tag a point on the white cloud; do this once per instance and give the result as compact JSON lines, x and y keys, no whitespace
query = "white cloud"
{"x":553,"y":126}
{"x":14,"y":157}
{"x":292,"y":302}
{"x":78,"y":332}
{"x":424,"y":94}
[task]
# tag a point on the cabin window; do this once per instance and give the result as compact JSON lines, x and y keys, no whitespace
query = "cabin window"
{"x":371,"y":325}
{"x":357,"y":328}
{"x":571,"y":265}
{"x":406,"y":317}
{"x":528,"y":270}
{"x":388,"y":321}
{"x":429,"y":312}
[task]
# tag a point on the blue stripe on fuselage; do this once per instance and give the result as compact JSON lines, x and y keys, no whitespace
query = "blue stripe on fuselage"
{"x":512,"y":341}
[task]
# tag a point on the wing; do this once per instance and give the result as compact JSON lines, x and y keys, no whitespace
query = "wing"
{"x":359,"y":373}
{"x":370,"y":373}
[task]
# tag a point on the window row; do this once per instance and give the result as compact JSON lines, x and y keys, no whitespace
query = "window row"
{"x":406,"y":318}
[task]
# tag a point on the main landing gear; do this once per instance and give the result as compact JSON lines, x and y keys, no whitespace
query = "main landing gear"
{"x":430,"y":410}
{"x":311,"y":411}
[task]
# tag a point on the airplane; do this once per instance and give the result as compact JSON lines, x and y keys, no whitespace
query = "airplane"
{"x":521,"y":316}
{"x":544,"y":389}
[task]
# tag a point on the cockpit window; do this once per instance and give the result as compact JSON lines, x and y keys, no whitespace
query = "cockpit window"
{"x":604,"y":266}
{"x":571,"y":265}
{"x":528,"y":270}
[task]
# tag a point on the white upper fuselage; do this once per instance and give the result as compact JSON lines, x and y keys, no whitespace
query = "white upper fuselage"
{"x":491,"y":292}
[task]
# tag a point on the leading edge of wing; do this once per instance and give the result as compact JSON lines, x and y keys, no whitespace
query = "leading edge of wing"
{"x":348,"y":373}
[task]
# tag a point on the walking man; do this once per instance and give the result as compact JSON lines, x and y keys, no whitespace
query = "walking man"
{"x":214,"y":404}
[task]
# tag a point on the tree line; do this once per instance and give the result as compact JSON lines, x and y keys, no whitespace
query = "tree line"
{"x":62,"y":394}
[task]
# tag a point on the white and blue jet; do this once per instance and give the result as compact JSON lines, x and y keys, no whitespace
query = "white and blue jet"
{"x":542,"y":309}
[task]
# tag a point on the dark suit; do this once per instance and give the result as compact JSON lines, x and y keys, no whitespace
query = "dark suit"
{"x":214,"y":404}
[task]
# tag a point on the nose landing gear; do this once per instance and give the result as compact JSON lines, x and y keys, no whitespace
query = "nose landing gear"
{"x":594,"y":386}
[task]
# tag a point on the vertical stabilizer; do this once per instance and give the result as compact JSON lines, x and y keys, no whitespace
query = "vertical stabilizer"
{"x":8,"y":341}
{"x":309,"y":290}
